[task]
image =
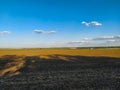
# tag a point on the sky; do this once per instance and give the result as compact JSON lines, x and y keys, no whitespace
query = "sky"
{"x":59,"y":23}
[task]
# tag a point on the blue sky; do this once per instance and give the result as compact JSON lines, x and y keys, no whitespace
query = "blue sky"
{"x":59,"y":23}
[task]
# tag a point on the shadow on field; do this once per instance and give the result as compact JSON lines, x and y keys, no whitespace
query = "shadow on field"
{"x":59,"y":72}
{"x":11,"y":65}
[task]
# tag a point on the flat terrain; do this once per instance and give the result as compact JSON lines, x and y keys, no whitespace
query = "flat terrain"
{"x":60,"y":69}
{"x":73,"y":52}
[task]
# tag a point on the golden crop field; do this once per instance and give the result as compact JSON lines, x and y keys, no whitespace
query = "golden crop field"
{"x":73,"y":52}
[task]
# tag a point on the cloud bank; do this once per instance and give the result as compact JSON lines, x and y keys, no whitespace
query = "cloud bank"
{"x":92,"y":23}
{"x":97,"y":41}
{"x":107,"y":37}
{"x":44,"y":32}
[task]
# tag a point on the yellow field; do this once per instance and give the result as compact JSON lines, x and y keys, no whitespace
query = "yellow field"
{"x":72,"y":52}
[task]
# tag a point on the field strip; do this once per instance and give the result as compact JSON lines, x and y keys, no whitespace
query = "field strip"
{"x":72,"y":52}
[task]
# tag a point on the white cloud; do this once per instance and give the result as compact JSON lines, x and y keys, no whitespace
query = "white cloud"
{"x":87,"y":39}
{"x":114,"y":41}
{"x":39,"y":31}
{"x":86,"y":24}
{"x":103,"y":38}
{"x":44,"y":32}
{"x":79,"y":42}
{"x":94,"y":23}
{"x":51,"y":32}
{"x":74,"y":42}
{"x":111,"y":41}
{"x":4,"y":32}
{"x":107,"y":37}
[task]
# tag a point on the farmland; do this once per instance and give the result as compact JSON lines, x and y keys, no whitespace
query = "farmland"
{"x":60,"y":69}
{"x":73,"y":52}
